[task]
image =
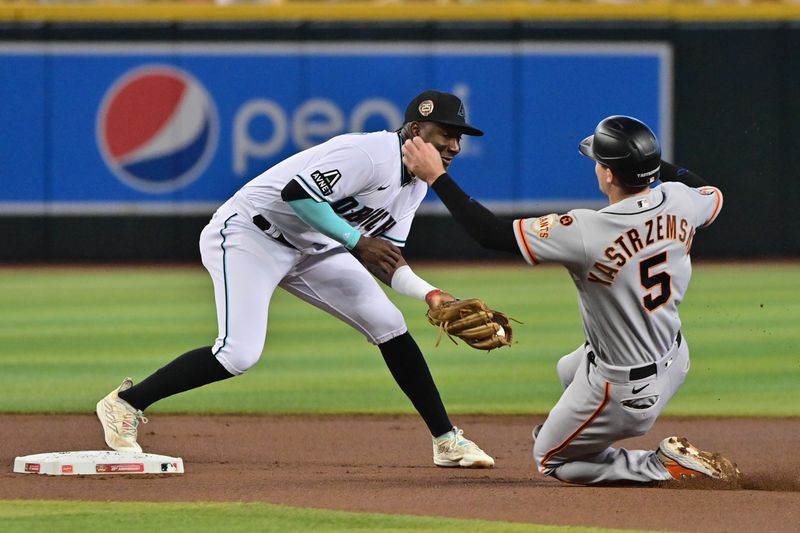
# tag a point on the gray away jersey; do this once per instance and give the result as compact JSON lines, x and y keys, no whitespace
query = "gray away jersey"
{"x":630,"y":263}
{"x":360,"y":175}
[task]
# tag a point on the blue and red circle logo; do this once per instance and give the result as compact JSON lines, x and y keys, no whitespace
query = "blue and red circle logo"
{"x":157,"y":128}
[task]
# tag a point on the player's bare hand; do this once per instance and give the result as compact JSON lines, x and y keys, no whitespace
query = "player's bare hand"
{"x":423,"y":160}
{"x":378,"y":252}
{"x":438,"y":298}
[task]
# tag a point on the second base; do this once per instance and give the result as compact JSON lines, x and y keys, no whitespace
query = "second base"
{"x":96,"y":463}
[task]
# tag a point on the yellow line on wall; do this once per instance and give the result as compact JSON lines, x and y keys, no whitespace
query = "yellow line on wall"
{"x":356,"y":11}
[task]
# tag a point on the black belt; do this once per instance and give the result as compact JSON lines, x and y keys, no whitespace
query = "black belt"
{"x":640,"y":372}
{"x":264,"y":225}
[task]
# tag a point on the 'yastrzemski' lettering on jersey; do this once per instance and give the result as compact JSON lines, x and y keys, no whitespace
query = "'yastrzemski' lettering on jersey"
{"x":626,"y":245}
{"x":373,"y":222}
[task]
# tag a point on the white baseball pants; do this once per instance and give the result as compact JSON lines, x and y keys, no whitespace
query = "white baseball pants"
{"x":246,"y":266}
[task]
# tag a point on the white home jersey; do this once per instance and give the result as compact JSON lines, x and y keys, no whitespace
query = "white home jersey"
{"x":630,"y":263}
{"x":361,"y":176}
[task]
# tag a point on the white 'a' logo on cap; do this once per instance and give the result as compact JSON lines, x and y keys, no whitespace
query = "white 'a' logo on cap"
{"x":461,"y":110}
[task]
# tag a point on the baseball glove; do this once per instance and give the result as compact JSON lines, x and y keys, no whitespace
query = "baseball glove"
{"x":473,"y":322}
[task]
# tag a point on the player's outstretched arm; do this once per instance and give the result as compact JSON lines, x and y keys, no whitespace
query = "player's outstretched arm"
{"x":320,"y":216}
{"x":670,"y":172}
{"x":403,"y":280}
{"x":484,"y":226}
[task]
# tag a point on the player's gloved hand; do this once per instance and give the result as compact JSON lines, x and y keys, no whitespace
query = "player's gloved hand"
{"x":378,"y":252}
{"x":474,"y":322}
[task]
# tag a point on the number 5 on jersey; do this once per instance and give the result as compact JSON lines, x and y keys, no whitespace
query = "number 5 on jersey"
{"x":652,"y":280}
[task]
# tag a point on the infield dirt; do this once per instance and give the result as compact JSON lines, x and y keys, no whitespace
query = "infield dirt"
{"x":383,"y":464}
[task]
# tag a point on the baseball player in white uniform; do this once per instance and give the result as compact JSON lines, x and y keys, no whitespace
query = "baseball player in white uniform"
{"x":630,"y":263}
{"x":319,"y":224}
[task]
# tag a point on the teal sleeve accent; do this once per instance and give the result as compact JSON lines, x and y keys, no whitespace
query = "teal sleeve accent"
{"x":320,"y":216}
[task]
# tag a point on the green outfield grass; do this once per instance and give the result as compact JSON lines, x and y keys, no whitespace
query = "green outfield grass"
{"x":70,"y":335}
{"x":88,"y":517}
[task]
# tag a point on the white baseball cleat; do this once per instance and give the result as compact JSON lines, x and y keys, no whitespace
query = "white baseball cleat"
{"x":452,"y":449}
{"x":683,"y":460}
{"x":120,"y":420}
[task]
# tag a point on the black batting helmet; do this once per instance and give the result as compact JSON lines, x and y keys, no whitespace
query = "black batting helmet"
{"x":626,"y":146}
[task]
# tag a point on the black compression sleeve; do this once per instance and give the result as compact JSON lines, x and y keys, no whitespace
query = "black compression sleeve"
{"x":670,"y":172}
{"x":293,"y":191}
{"x":482,"y":225}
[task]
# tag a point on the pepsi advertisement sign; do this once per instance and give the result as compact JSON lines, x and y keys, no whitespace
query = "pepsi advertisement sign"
{"x":157,"y":128}
{"x":109,"y":128}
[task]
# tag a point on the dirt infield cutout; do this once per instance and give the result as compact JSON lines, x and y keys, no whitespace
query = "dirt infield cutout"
{"x":383,"y":464}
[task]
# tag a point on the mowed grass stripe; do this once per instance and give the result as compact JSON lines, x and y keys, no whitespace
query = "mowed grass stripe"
{"x":72,"y":334}
{"x":88,"y":517}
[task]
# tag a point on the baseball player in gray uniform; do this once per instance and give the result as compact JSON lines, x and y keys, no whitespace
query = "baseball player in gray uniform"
{"x":630,"y":263}
{"x":319,"y":225}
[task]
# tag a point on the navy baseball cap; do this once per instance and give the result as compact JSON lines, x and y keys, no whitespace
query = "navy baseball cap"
{"x":444,"y":108}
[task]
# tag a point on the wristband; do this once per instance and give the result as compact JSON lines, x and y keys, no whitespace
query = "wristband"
{"x":431,"y":294}
{"x":406,"y":282}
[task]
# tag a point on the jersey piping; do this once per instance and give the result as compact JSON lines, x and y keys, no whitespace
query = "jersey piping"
{"x":527,"y":247}
{"x":551,"y":453}
{"x":718,"y":195}
{"x":405,"y":176}
{"x":225,"y":282}
{"x":663,"y":199}
{"x":300,"y":180}
{"x":398,"y":241}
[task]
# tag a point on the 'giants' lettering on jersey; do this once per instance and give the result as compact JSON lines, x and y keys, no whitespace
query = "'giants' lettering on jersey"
{"x":373,"y":222}
{"x":631,"y":241}
{"x":544,"y":225}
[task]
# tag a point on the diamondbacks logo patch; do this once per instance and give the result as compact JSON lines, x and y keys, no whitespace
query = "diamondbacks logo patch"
{"x":565,"y":220}
{"x":326,"y":180}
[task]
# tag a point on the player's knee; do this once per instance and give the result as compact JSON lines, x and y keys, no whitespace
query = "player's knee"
{"x":247,"y":360}
{"x":568,"y":365}
{"x":239,"y":359}
{"x":538,"y":455}
{"x":387,"y":326}
{"x":565,"y":370}
{"x":544,"y":469}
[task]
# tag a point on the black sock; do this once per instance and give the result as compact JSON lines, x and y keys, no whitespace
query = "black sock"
{"x":410,"y":371}
{"x":189,"y":371}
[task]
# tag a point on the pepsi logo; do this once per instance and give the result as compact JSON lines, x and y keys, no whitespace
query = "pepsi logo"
{"x":157,"y":128}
